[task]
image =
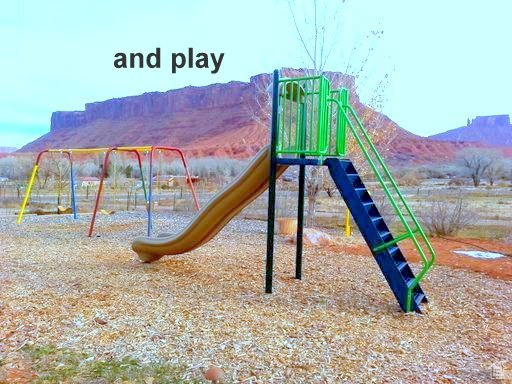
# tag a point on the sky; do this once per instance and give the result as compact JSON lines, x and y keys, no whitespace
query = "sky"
{"x":441,"y":61}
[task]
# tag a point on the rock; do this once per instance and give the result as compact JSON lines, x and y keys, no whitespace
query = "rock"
{"x":315,"y":238}
{"x":214,"y":374}
{"x":286,"y":226}
{"x":100,"y":320}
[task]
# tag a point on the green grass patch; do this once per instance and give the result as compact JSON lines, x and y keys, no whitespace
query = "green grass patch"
{"x":60,"y":365}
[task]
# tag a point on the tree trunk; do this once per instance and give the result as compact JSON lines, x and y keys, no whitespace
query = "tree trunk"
{"x":310,"y":219}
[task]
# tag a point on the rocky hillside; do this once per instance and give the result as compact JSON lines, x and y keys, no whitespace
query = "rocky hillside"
{"x":215,"y":120}
{"x":493,"y":130}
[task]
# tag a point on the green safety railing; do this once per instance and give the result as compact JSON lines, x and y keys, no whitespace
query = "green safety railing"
{"x":304,"y":118}
{"x":384,"y":177}
{"x":313,"y":120}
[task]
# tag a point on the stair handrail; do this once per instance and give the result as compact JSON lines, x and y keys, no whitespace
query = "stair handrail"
{"x":427,"y":263}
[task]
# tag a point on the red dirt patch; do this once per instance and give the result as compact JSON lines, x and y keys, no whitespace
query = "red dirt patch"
{"x":497,"y":268}
{"x":21,"y":374}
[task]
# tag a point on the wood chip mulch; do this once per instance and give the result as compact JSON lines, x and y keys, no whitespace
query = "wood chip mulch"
{"x":340,"y":324}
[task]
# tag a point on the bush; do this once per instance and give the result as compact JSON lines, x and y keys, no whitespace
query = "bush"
{"x":456,"y":182}
{"x":410,"y":178}
{"x":445,"y":218}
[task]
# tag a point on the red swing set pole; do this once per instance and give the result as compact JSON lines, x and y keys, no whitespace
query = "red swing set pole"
{"x":102,"y":177}
{"x":100,"y":188}
{"x":104,"y":172}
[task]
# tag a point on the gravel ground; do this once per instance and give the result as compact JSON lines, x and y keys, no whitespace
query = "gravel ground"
{"x":339,"y":324}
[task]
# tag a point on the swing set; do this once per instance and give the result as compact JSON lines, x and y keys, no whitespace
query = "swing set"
{"x":108,"y":151}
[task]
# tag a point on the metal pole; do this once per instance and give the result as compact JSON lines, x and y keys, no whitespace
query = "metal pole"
{"x":302,"y":178}
{"x":348,"y":229}
{"x":150,"y":194}
{"x":73,"y":196}
{"x":27,"y":193}
{"x":272,"y":187}
{"x":100,"y":187}
{"x":300,"y":222}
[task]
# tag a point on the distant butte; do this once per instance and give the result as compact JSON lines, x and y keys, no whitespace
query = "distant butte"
{"x":494,"y":130}
{"x":224,"y":120}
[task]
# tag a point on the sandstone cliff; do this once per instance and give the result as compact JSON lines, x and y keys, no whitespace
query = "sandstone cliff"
{"x":215,"y":120}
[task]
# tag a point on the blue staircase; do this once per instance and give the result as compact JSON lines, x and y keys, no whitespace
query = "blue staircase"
{"x":391,"y":261}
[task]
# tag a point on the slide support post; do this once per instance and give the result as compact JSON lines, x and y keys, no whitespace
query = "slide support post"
{"x":272,"y":187}
{"x":300,"y":222}
{"x":302,"y":178}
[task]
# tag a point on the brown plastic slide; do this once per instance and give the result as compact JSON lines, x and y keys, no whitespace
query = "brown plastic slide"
{"x":214,"y":216}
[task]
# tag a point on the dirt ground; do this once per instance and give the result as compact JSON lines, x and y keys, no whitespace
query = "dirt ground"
{"x":498,"y":268}
{"x":340,"y":324}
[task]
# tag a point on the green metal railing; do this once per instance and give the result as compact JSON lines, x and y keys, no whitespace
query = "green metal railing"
{"x":313,"y":121}
{"x":304,"y":118}
{"x":384,"y":177}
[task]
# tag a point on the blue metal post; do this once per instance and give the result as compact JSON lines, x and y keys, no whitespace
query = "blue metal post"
{"x":149,"y":202}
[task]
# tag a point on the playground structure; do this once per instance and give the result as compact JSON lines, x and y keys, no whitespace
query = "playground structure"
{"x":148,"y":191}
{"x":310,"y":123}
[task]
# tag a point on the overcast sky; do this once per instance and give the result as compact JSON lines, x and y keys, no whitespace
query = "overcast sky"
{"x":446,"y":60}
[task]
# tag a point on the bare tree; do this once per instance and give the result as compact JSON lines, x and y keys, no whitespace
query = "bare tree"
{"x":318,"y":33}
{"x":477,"y":162}
{"x":17,"y":167}
{"x":495,"y":171}
{"x":59,"y":168}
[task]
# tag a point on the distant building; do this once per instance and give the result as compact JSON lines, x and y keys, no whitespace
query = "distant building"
{"x":89,"y":181}
{"x":174,"y":181}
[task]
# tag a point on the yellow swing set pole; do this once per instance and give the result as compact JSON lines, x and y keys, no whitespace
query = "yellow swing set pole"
{"x":27,"y":193}
{"x":348,"y":229}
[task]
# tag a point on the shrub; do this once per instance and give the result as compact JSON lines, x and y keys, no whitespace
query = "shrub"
{"x":409,"y":179}
{"x":445,"y":218}
{"x":456,"y":182}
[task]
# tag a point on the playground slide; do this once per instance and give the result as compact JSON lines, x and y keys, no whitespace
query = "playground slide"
{"x":214,"y":216}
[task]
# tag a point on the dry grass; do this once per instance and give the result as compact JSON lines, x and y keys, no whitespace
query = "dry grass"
{"x":340,"y":324}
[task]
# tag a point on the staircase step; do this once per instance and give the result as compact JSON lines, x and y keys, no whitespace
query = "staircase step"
{"x":363,"y":194}
{"x":409,"y":283}
{"x":419,"y":298}
{"x":401,"y":265}
{"x":386,"y":235}
{"x":379,"y":223}
{"x":356,"y":181}
{"x":393,"y":250}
